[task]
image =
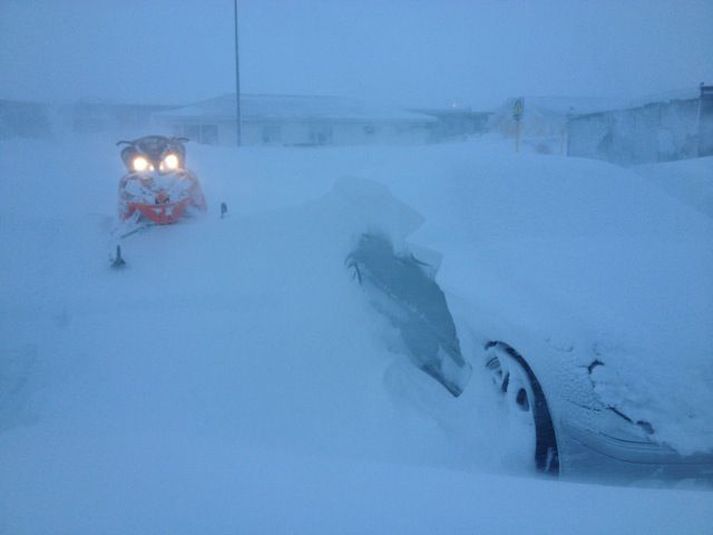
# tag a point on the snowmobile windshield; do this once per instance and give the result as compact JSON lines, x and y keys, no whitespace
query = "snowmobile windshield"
{"x":154,"y":153}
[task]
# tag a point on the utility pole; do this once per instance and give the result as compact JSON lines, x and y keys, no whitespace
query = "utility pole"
{"x":705,"y":121}
{"x":238,"y":121}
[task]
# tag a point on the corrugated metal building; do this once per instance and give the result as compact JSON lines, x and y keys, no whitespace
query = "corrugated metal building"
{"x":661,"y":128}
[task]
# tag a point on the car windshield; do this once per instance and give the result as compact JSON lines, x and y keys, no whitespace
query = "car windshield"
{"x":431,"y":266}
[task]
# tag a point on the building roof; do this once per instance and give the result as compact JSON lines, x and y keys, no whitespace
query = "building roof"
{"x":452,"y":112}
{"x":561,"y":106}
{"x":292,"y":108}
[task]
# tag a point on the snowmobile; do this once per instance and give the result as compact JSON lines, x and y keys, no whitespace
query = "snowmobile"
{"x":158,"y":188}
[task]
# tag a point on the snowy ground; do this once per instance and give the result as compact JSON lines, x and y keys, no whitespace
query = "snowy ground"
{"x":233,"y":378}
{"x":688,"y":181}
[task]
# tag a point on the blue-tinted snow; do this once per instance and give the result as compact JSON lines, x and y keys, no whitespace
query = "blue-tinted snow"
{"x":233,"y":378}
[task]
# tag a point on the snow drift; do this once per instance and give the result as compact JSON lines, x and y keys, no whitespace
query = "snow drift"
{"x":234,"y":377}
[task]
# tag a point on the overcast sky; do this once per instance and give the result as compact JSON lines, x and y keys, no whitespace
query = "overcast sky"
{"x":412,"y":52}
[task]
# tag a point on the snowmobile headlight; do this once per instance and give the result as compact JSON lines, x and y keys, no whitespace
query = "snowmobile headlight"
{"x":140,"y":164}
{"x":170,"y":163}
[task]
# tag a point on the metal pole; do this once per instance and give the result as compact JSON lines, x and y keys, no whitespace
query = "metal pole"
{"x":518,"y":108}
{"x":700,"y":127}
{"x":237,"y":79}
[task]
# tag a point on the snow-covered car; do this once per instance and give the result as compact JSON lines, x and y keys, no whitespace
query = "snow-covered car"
{"x":581,"y":290}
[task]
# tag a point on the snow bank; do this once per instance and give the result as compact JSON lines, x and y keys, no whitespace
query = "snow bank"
{"x":202,"y":486}
{"x":689,"y":181}
{"x":234,"y":378}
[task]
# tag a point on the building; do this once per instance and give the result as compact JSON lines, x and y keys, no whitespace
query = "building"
{"x":24,"y":119}
{"x":121,"y":119}
{"x":288,"y":120}
{"x":666,"y":127}
{"x":705,"y":121}
{"x":44,"y":120}
{"x":543,"y":124}
{"x":456,"y":122}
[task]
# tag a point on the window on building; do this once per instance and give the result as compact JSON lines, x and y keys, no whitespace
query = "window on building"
{"x":271,"y":134}
{"x":320,"y":135}
{"x":192,"y":132}
{"x":209,"y":134}
{"x":206,"y":134}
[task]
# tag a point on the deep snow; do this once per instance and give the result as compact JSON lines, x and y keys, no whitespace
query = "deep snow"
{"x":688,"y":181}
{"x":233,"y":378}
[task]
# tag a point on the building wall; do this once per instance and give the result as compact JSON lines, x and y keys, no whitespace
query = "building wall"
{"x":299,"y":133}
{"x":24,"y":119}
{"x":657,"y":132}
{"x":454,"y":125}
{"x":122,"y":120}
{"x":705,"y":125}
